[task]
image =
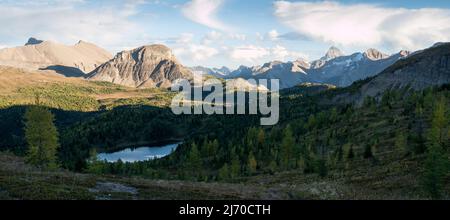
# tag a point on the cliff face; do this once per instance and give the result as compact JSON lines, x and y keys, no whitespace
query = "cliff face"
{"x":147,"y":66}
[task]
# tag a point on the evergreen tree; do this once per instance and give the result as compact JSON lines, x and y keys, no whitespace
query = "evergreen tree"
{"x":401,"y":143}
{"x":439,"y":126}
{"x":436,"y":163}
{"x":204,"y":148}
{"x":214,"y":147}
{"x":287,"y":148}
{"x":435,"y":170}
{"x":310,"y":160}
{"x":340,"y":153}
{"x":301,"y":164}
{"x":94,"y":165}
{"x":261,"y":137}
{"x":351,"y":153}
{"x":235,"y":167}
{"x":251,"y":163}
{"x":322,"y":168}
{"x":312,"y":122}
{"x":368,"y":151}
{"x":41,"y":136}
{"x":224,"y":172}
{"x":118,"y":167}
{"x":272,"y":166}
{"x":333,"y":115}
{"x":194,"y":159}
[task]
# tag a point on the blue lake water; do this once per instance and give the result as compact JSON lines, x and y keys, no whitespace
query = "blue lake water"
{"x":139,"y":154}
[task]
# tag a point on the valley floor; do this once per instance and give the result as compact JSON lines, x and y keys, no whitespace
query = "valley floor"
{"x":20,"y":181}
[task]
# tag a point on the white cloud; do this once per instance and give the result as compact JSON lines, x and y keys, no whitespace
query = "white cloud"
{"x":215,"y":37}
{"x":254,"y":54}
{"x":281,"y":53}
{"x":273,"y":35}
{"x":249,"y":53}
{"x":241,"y":37}
{"x":185,"y":38}
{"x":66,"y":23}
{"x":34,"y":3}
{"x":130,"y":7}
{"x":259,"y":36}
{"x":204,"y":12}
{"x":365,"y":25}
{"x":195,"y":52}
{"x":212,"y":37}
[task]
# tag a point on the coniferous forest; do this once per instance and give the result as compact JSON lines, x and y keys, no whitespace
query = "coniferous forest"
{"x":403,"y":134}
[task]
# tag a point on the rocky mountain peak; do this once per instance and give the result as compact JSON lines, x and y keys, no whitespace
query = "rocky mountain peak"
{"x":302,"y":62}
{"x":153,"y":53}
{"x":147,"y":66}
{"x":33,"y":41}
{"x":271,"y":64}
{"x":332,"y":53}
{"x":374,"y":54}
{"x":223,"y":69}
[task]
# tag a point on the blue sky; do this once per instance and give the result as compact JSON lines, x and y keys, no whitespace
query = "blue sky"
{"x":215,"y":33}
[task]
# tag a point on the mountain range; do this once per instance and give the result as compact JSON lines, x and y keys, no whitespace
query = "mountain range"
{"x":217,"y":72}
{"x":70,"y":60}
{"x":156,"y":66}
{"x":333,"y":68}
{"x":420,"y":70}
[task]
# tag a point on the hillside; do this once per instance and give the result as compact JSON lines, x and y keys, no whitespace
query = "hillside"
{"x":20,"y":87}
{"x":389,"y":172}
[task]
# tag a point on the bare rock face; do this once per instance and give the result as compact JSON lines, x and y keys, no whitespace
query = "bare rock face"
{"x":374,"y":54}
{"x":147,"y":66}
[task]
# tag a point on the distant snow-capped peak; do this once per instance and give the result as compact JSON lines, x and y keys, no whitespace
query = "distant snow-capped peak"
{"x":332,"y":53}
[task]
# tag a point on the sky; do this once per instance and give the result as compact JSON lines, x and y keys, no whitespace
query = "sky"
{"x":215,"y":33}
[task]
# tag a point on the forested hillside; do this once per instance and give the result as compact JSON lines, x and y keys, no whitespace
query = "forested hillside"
{"x":396,"y":146}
